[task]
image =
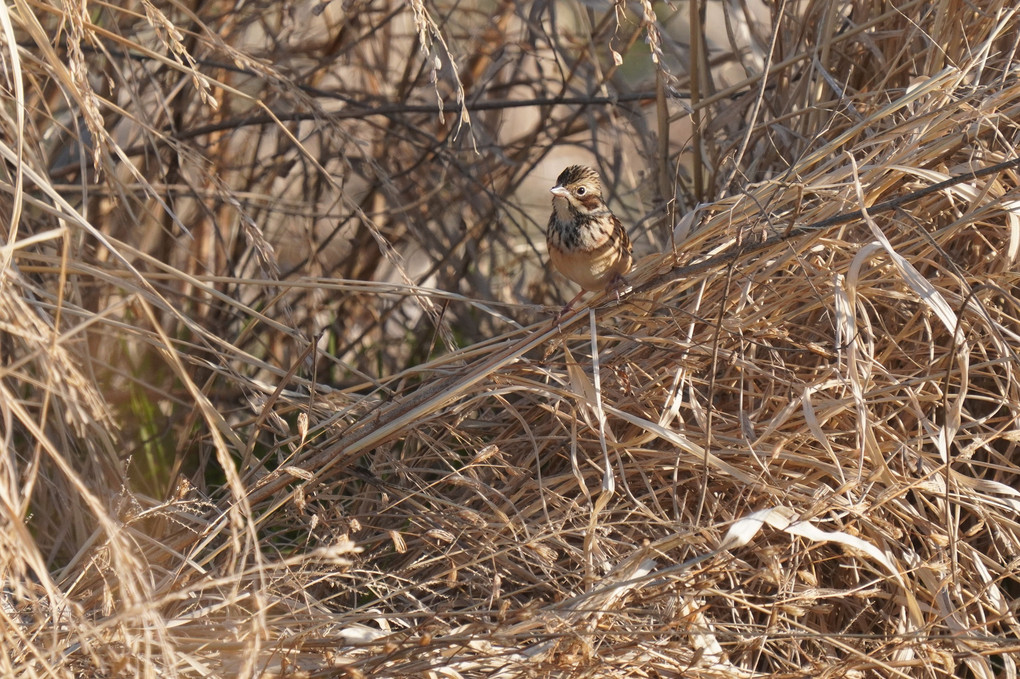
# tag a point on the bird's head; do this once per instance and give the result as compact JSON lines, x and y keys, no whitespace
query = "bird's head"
{"x":577,"y":189}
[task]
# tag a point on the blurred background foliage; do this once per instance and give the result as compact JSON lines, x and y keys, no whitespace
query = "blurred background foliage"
{"x":403,"y":142}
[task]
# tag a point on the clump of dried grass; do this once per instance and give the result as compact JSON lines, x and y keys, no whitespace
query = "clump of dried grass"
{"x":790,"y":450}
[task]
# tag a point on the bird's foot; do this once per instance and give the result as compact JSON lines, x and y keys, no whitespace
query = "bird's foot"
{"x":618,"y":284}
{"x":568,"y":306}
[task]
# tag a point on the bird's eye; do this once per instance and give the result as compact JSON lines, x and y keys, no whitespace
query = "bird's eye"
{"x":580,"y":190}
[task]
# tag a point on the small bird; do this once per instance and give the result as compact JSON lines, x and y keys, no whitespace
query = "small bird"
{"x":587,"y":243}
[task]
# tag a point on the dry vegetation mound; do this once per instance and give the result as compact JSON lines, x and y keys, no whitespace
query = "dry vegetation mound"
{"x":282,"y":392}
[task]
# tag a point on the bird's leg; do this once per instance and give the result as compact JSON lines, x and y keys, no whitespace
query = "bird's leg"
{"x":617,"y":283}
{"x":569,"y":306}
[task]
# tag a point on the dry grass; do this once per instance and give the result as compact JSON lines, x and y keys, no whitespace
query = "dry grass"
{"x":281,"y":393}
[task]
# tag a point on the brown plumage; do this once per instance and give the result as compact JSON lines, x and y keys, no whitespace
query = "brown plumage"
{"x":587,"y":243}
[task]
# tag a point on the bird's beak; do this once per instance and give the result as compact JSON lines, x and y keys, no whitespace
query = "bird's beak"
{"x":559,"y":191}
